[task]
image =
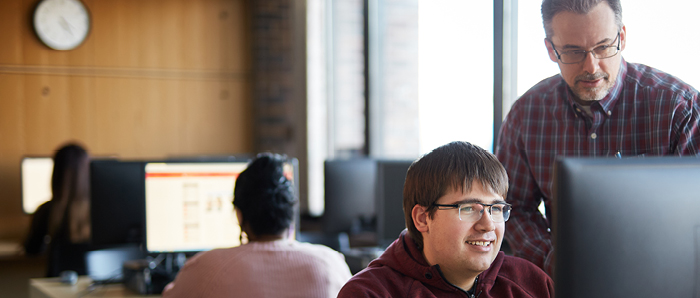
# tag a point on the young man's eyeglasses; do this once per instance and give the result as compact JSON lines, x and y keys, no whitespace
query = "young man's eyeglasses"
{"x":599,"y":52}
{"x":499,"y":212}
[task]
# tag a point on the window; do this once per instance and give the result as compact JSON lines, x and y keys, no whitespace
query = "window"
{"x":667,"y":43}
{"x":401,"y":77}
{"x":534,"y":64}
{"x":455,"y":73}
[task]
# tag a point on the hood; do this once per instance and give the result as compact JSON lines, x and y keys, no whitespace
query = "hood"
{"x":404,"y":256}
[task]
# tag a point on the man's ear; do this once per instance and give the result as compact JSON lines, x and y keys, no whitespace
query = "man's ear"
{"x":420,"y":218}
{"x":623,"y":37}
{"x":550,"y":51}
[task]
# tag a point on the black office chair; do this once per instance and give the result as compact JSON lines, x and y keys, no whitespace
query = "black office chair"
{"x":337,"y":241}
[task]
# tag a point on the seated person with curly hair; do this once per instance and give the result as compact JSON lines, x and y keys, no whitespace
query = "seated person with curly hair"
{"x":270,"y":264}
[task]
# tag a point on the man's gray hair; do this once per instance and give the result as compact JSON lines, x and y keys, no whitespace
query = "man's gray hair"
{"x":550,"y":8}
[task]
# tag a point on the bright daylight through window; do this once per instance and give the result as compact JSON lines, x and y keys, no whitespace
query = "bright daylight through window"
{"x":455,"y":72}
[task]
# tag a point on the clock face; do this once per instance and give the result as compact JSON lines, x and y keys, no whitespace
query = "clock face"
{"x":61,"y":24}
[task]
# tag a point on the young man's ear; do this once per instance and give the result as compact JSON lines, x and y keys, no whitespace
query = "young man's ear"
{"x":420,"y":218}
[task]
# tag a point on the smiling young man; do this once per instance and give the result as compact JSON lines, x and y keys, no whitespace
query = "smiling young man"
{"x":599,"y":105}
{"x":455,"y":216}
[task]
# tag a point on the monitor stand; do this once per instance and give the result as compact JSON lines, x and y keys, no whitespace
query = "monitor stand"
{"x":151,"y":275}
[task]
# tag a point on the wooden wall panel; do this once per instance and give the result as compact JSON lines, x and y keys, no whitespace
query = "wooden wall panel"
{"x":11,"y":137}
{"x":166,"y":117}
{"x":154,"y":78}
{"x":197,"y":34}
{"x":10,"y":18}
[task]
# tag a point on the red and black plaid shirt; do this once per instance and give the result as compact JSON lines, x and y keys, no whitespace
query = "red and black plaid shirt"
{"x":647,"y":112}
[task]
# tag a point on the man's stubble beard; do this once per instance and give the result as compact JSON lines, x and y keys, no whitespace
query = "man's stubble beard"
{"x":593,"y":94}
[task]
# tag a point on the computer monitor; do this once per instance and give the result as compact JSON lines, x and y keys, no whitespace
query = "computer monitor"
{"x":117,"y":191}
{"x":189,"y":205}
{"x":627,"y":227}
{"x":35,"y":173}
{"x":391,"y":175}
{"x":350,"y":189}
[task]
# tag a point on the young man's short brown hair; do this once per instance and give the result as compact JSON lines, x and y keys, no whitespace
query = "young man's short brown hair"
{"x":449,"y":167}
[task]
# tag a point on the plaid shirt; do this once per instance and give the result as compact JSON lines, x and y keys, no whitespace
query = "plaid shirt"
{"x":647,"y":112}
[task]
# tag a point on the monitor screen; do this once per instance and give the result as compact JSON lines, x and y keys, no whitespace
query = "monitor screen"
{"x":35,"y":173}
{"x":189,"y":205}
{"x":627,"y":227}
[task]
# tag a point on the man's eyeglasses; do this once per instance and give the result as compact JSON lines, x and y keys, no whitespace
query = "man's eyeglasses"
{"x":499,"y":212}
{"x":599,"y":52}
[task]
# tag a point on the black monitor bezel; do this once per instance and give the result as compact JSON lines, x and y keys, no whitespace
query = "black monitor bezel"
{"x":622,"y":257}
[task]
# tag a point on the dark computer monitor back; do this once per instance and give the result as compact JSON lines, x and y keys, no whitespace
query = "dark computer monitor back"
{"x":391,"y":175}
{"x":349,"y":193}
{"x":627,"y":227}
{"x":117,"y":207}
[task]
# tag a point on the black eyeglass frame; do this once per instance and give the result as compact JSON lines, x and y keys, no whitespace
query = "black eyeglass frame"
{"x":585,"y":52}
{"x":456,"y":206}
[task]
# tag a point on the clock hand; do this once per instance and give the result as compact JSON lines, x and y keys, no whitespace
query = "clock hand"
{"x":66,"y":25}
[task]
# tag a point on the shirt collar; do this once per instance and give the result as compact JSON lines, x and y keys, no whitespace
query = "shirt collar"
{"x":609,"y":100}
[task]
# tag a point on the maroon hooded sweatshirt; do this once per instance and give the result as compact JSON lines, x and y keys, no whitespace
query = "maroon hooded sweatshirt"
{"x":402,"y":271}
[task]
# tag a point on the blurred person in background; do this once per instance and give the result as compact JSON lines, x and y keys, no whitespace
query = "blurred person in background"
{"x":61,"y":226}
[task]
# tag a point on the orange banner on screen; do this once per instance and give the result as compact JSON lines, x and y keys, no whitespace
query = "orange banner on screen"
{"x":179,"y":175}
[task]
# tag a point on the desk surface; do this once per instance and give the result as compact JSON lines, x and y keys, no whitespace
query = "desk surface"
{"x":10,"y":249}
{"x":53,"y":288}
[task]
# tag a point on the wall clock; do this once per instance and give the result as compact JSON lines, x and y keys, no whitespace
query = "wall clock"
{"x":61,"y":24}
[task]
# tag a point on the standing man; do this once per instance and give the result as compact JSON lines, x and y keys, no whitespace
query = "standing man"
{"x":453,"y":202}
{"x":599,"y":105}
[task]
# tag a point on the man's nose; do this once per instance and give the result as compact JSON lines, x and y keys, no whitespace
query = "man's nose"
{"x":590,"y":64}
{"x":485,"y":223}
